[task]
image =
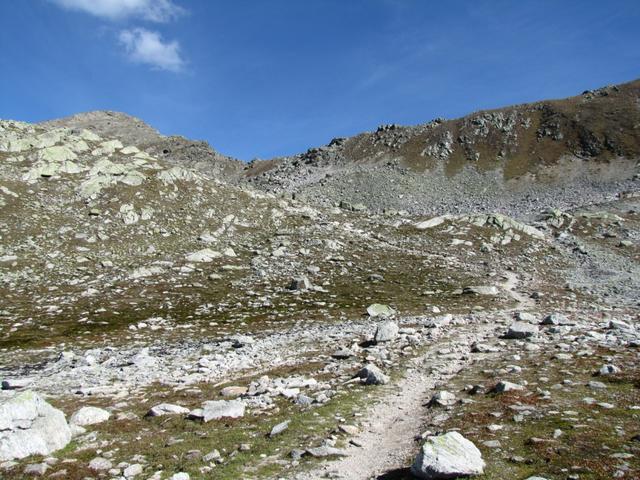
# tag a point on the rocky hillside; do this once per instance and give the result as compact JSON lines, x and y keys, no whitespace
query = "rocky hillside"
{"x":163,"y":319}
{"x":133,"y":131}
{"x":514,"y":159}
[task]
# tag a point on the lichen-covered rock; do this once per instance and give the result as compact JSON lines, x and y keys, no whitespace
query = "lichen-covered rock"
{"x":380,"y":310}
{"x":30,"y":426}
{"x":447,"y":456}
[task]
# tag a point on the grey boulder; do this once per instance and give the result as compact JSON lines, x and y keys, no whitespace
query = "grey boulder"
{"x":447,"y":456}
{"x":372,"y":375}
{"x":386,"y":331}
{"x":521,"y":330}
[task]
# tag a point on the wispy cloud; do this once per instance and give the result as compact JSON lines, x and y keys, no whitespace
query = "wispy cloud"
{"x":151,"y":10}
{"x":147,"y":47}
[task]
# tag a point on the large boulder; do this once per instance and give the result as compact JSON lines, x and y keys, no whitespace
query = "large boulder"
{"x":30,"y":426}
{"x":447,"y":456}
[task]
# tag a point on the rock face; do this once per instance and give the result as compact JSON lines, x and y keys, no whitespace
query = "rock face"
{"x":447,"y":456}
{"x":30,"y":426}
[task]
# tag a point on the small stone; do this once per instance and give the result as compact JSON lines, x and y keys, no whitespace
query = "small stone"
{"x":167,"y":409}
{"x":372,"y":375}
{"x":504,"y":386}
{"x":555,"y":319}
{"x":300,"y":283}
{"x":485,"y":290}
{"x":212,"y":456}
{"x":89,"y":416}
{"x":180,"y":476}
{"x":100,"y":463}
{"x":443,"y":399}
{"x":342,"y":354}
{"x":36,"y":469}
{"x":521,"y":330}
{"x":596,"y":385}
{"x":233,"y":391}
{"x":132,"y":470}
{"x":279,"y":428}
{"x":349,"y":429}
{"x":608,"y":370}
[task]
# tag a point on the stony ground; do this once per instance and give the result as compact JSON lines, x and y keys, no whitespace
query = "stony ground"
{"x":131,"y":283}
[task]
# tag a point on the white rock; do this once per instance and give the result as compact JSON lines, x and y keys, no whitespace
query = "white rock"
{"x":216,"y":409}
{"x":132,"y":470}
{"x":180,"y":476}
{"x":204,"y":255}
{"x":167,"y":409}
{"x":100,"y":463}
{"x":89,"y":416}
{"x":30,"y":426}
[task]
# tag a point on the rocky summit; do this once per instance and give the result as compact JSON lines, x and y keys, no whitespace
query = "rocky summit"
{"x":458,"y":298}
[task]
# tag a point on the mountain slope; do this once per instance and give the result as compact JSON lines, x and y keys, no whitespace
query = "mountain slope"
{"x":133,"y":131}
{"x":486,"y":160}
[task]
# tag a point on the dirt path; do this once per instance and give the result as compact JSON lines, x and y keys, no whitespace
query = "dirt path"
{"x":510,"y":285}
{"x":387,"y":441}
{"x":388,"y":438}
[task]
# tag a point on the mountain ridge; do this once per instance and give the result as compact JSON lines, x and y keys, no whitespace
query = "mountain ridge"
{"x":501,"y":159}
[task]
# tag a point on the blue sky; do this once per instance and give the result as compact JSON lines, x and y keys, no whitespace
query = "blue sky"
{"x":263,"y":78}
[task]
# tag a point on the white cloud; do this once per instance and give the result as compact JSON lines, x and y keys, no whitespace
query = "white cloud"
{"x":151,"y":10}
{"x":144,"y":46}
